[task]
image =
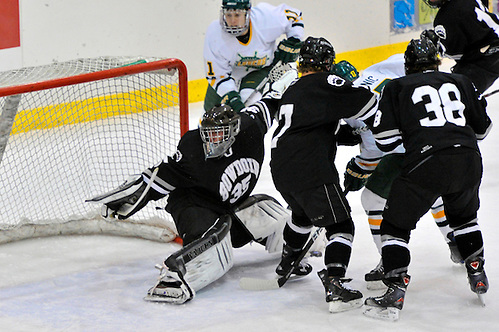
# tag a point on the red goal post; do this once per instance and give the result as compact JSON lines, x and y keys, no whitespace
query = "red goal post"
{"x":76,"y":129}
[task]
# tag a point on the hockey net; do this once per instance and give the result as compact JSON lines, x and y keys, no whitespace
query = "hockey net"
{"x":76,"y":129}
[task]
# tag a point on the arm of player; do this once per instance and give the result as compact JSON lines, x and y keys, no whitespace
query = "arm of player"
{"x":476,"y":116}
{"x":132,"y":195}
{"x":384,"y":126}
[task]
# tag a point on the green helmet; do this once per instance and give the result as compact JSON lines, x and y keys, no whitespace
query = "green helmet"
{"x":235,"y":7}
{"x":236,"y":4}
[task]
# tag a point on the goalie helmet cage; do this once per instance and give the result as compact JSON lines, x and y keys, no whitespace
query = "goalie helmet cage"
{"x":76,"y":129}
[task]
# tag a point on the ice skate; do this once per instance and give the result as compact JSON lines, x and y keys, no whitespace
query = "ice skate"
{"x":169,"y":288}
{"x":374,"y":278}
{"x":339,"y":297}
{"x":477,"y":278}
{"x":388,"y":305}
{"x":289,"y":256}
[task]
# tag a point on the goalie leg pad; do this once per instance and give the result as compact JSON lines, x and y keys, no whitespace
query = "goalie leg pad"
{"x":264,"y":218}
{"x":195,"y":266}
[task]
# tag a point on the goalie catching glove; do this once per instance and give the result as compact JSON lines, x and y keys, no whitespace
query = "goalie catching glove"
{"x":129,"y":197}
{"x":288,"y":50}
{"x":355,"y":176}
{"x":275,"y":90}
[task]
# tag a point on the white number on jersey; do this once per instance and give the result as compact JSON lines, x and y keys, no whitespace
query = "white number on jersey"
{"x":444,"y":105}
{"x":286,"y":112}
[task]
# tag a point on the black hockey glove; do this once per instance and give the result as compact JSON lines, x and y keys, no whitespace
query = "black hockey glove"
{"x":287,"y":50}
{"x":346,"y":135}
{"x":355,"y":176}
{"x":233,"y":99}
{"x":345,"y":70}
{"x":435,"y":39}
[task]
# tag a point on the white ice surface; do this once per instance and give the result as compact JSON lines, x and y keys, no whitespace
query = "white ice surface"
{"x":96,"y":283}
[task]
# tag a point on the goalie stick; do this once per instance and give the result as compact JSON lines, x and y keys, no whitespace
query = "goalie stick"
{"x":267,"y":284}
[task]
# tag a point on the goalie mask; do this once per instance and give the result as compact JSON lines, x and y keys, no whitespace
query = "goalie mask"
{"x":421,"y":55}
{"x":234,"y":16}
{"x":218,"y":128}
{"x":435,"y":3}
{"x":316,"y":54}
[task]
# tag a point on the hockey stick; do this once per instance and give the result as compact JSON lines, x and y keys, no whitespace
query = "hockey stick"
{"x":267,"y":284}
{"x":263,"y":82}
{"x":490,"y":93}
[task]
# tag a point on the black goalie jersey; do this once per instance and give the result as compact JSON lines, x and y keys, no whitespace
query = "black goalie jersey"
{"x":215,"y":183}
{"x":429,"y":112}
{"x":304,"y":143}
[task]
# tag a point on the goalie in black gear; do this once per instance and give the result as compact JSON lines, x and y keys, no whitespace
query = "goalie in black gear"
{"x":208,"y":182}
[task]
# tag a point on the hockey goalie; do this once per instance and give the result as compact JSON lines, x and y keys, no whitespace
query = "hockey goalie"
{"x":208,"y":182}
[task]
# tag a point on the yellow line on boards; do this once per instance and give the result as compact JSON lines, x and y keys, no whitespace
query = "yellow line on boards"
{"x":96,"y":108}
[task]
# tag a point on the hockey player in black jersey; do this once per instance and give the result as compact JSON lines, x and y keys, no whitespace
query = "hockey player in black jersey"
{"x":303,"y":150}
{"x":208,"y":182}
{"x":469,"y":34}
{"x":438,"y":117}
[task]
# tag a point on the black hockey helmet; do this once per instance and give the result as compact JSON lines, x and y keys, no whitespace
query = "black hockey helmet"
{"x":435,"y":3}
{"x":420,"y":55}
{"x":316,"y":54}
{"x":218,"y":128}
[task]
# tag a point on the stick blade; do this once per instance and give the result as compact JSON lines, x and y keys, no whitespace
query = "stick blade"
{"x":258,"y":284}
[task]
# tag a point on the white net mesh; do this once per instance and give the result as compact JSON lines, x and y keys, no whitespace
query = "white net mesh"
{"x":70,"y":143}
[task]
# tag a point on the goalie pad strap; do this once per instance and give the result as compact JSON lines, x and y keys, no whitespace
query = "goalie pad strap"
{"x":204,"y":260}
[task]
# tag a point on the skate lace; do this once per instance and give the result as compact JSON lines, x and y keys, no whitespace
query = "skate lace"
{"x":343,"y":281}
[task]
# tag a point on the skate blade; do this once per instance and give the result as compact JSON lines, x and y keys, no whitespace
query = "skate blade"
{"x":481,"y":298}
{"x":339,"y":306}
{"x":165,"y":299}
{"x":389,"y":314}
{"x":375,"y":285}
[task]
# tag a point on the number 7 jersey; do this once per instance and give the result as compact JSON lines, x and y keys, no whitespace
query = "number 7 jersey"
{"x":428,"y":112}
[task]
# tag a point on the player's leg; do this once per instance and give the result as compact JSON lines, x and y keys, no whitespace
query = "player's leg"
{"x":438,"y":213}
{"x":406,"y":204}
{"x":461,"y":206}
{"x":205,"y":256}
{"x":373,"y":201}
{"x":295,"y":234}
{"x":326,"y":206}
{"x":211,"y":98}
{"x":249,"y":83}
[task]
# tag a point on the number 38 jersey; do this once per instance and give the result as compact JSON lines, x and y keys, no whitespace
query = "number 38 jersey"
{"x":428,"y":112}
